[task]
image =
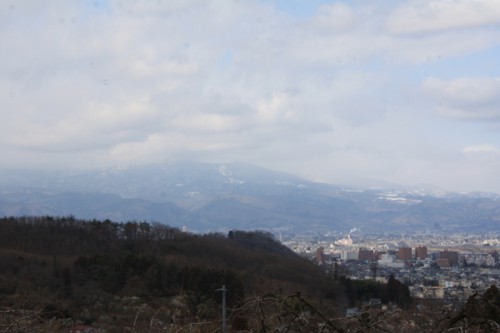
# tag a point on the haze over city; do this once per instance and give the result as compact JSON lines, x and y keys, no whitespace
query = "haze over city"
{"x":334,"y":91}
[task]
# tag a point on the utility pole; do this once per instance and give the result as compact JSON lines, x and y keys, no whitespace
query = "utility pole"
{"x":223,"y":289}
{"x":373,"y":269}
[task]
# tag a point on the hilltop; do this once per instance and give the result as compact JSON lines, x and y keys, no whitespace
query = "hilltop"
{"x":100,"y":272}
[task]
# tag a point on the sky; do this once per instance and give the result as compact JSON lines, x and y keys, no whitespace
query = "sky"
{"x":343,"y":92}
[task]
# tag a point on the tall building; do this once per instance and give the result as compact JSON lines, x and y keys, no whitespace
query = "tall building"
{"x":443,"y":262}
{"x":349,"y":255}
{"x":421,"y":252}
{"x":365,"y":254}
{"x":320,"y":255}
{"x":452,"y":257}
{"x":404,"y":253}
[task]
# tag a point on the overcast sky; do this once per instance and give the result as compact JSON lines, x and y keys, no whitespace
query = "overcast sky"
{"x":334,"y":91}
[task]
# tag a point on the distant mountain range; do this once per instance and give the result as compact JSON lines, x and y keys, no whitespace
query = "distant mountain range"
{"x":218,"y":197}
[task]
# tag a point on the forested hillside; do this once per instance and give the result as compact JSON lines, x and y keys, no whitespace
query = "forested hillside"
{"x":99,"y":271}
{"x":63,"y":274}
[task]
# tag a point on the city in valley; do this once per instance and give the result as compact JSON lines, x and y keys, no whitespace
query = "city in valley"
{"x":434,"y":267}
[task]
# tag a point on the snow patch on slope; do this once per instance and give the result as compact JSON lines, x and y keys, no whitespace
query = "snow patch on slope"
{"x":222,"y":169}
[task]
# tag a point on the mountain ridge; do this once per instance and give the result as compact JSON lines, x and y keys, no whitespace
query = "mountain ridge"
{"x":217,"y":197}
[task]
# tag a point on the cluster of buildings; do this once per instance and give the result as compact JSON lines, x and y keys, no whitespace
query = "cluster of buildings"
{"x":405,"y":256}
{"x":450,"y":268}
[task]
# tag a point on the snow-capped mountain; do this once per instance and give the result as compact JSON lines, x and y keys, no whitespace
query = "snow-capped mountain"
{"x":211,"y":197}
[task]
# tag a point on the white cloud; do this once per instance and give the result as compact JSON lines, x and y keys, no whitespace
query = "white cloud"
{"x":160,"y":8}
{"x":335,"y":17}
{"x":476,"y":98}
{"x":274,"y":109}
{"x":207,"y":123}
{"x":481,"y":149}
{"x":438,"y":15}
{"x":324,"y":95}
